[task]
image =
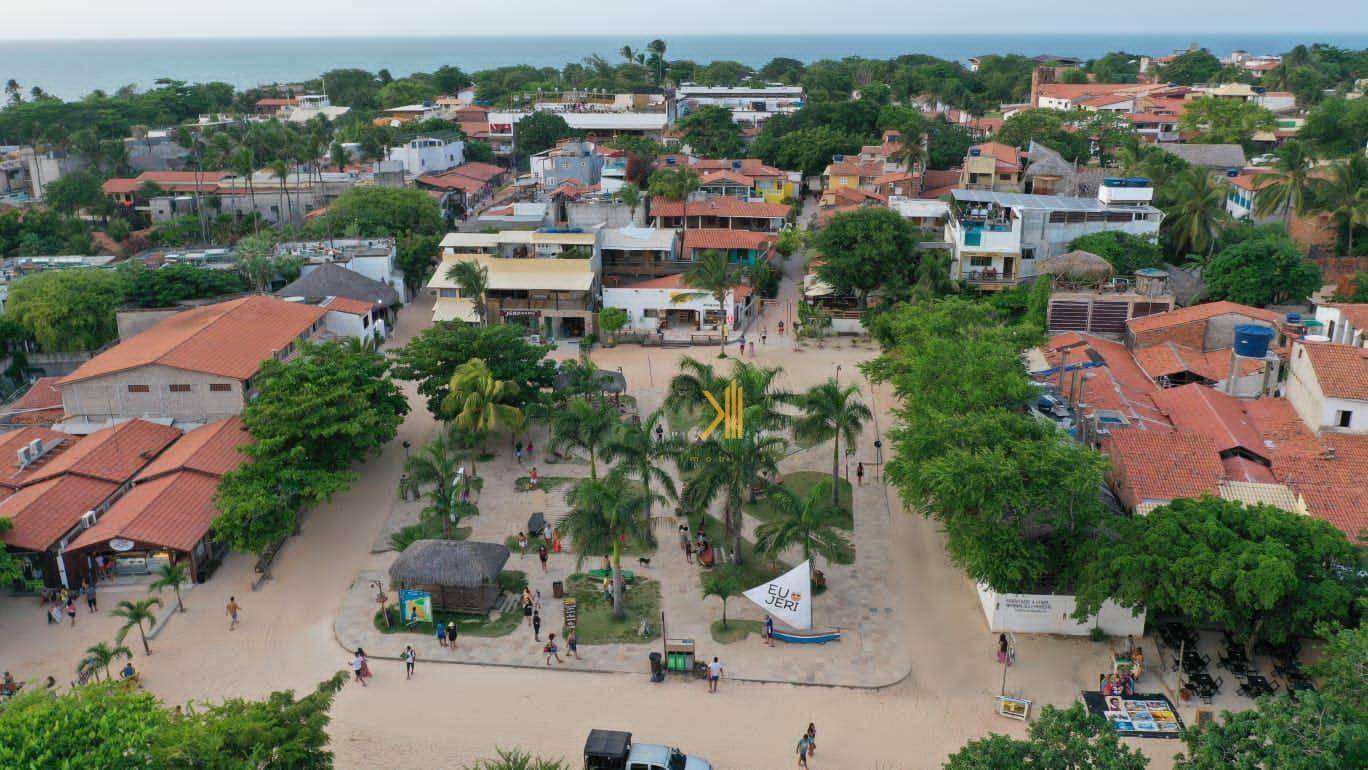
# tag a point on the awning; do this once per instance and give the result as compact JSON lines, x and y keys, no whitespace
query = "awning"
{"x":448,"y":309}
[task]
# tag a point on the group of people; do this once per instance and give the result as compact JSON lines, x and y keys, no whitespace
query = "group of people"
{"x":520,"y":451}
{"x":360,"y":666}
{"x":446,"y":635}
{"x":698,"y":545}
{"x":1128,"y":666}
{"x":61,"y":604}
{"x":807,"y":745}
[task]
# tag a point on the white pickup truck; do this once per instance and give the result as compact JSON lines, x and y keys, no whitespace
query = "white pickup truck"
{"x":614,"y":750}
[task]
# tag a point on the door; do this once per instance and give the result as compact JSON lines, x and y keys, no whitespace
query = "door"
{"x":1008,"y":267}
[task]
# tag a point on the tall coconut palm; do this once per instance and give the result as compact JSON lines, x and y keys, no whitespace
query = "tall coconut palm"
{"x":1197,"y":213}
{"x":630,"y":195}
{"x":832,"y":412}
{"x":657,"y":50}
{"x":101,"y":656}
{"x":280,"y":169}
{"x":1343,"y":195}
{"x":243,"y":163}
{"x":586,"y":425}
{"x":1288,"y":189}
{"x":637,"y":455}
{"x":433,"y":471}
{"x":761,"y":398}
{"x":479,"y":404}
{"x":603,"y":515}
{"x":714,"y":275}
{"x":812,"y":522}
{"x":726,"y":469}
{"x":136,"y":614}
{"x":171,"y":576}
{"x":473,"y":278}
{"x":677,"y":184}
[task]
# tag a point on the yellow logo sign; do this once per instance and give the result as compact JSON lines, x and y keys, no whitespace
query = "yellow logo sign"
{"x":730,"y":415}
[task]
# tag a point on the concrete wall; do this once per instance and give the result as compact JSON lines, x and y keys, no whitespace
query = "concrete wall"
{"x":135,"y":320}
{"x":108,"y":397}
{"x":1050,"y":614}
{"x":588,"y":214}
{"x":1303,"y":390}
{"x":1220,"y":330}
{"x":1358,"y":420}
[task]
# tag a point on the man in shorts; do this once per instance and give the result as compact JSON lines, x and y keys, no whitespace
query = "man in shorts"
{"x":232,"y":612}
{"x":714,"y":674}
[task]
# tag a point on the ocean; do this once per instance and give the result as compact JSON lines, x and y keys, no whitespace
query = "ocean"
{"x":72,"y":68}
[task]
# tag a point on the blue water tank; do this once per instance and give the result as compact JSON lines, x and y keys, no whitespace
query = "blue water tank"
{"x":1252,"y":341}
{"x":1294,"y":318}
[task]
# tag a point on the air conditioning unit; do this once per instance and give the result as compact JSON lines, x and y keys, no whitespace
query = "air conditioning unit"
{"x":88,"y":519}
{"x":23,"y":454}
{"x":35,"y":448}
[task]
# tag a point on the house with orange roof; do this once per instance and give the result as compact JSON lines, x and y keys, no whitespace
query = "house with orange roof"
{"x":1328,"y":385}
{"x":70,"y":491}
{"x":666,"y":304}
{"x":850,"y":172}
{"x":1345,"y":323}
{"x":992,"y":166}
{"x":41,"y":404}
{"x":192,"y":367}
{"x":726,"y":213}
{"x":1205,"y":327}
{"x":167,"y":514}
{"x":1150,"y":468}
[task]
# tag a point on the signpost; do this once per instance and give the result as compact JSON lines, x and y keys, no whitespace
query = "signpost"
{"x":415,"y":606}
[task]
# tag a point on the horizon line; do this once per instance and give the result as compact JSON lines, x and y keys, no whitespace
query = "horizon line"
{"x":730,"y":35}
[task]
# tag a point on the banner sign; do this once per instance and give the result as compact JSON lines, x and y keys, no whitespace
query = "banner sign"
{"x":788,"y":597}
{"x":415,"y":606}
{"x":1142,"y":715}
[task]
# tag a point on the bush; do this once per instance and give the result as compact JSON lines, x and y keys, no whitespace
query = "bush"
{"x":513,"y":580}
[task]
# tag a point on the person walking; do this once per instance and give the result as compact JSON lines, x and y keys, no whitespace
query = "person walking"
{"x":543,"y":555}
{"x":407,"y":656}
{"x":714,"y":674}
{"x":764,"y":333}
{"x":232,"y":612}
{"x":365,"y":663}
{"x":527,"y":603}
{"x":536,"y":626}
{"x":356,"y":666}
{"x":812,"y":738}
{"x":71,"y":610}
{"x":530,"y":448}
{"x":769,"y":631}
{"x":804,"y":747}
{"x":551,"y":650}
{"x":1002,"y":652}
{"x":89,"y":591}
{"x":781,"y":328}
{"x":451,"y":634}
{"x":572,"y":642}
{"x":441,"y":634}
{"x":517,"y":451}
{"x":688,"y":551}
{"x":859,"y":473}
{"x":522,"y":544}
{"x":532,"y":478}
{"x":536,"y":601}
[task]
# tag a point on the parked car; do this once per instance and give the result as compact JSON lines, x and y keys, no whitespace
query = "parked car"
{"x":614,"y":750}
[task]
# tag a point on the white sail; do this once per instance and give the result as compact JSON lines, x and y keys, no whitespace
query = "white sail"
{"x":788,"y":597}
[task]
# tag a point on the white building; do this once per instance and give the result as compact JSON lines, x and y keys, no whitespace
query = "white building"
{"x":665,"y":304}
{"x":749,"y":105}
{"x":375,"y":258}
{"x":1345,"y":323}
{"x":354,"y":319}
{"x":1328,"y":386}
{"x":922,"y":213}
{"x":427,"y":155}
{"x":996,"y":238}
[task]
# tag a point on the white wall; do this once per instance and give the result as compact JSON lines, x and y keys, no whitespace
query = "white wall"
{"x":1050,"y":614}
{"x":637,"y":301}
{"x":1358,"y":420}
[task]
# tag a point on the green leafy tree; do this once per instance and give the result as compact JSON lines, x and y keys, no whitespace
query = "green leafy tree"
{"x":415,"y":255}
{"x":517,"y":759}
{"x":1342,"y":195}
{"x":1126,"y":252}
{"x":1026,"y":125}
{"x":1191,"y":68}
{"x":947,"y":143}
{"x":611,"y":320}
{"x":710,"y":132}
{"x":1267,"y":269}
{"x":1060,"y":739}
{"x":11,"y":569}
{"x":584,"y":425}
{"x":39,"y":730}
{"x":1336,"y":128}
{"x":1225,"y":121}
{"x":812,"y":522}
{"x":806,"y":150}
{"x":1038,"y":303}
{"x":99,"y":658}
{"x":381,"y":211}
{"x":256,"y":261}
{"x":630,"y":195}
{"x":430,"y":358}
{"x":171,"y":284}
{"x":727,"y":468}
{"x":479,"y":403}
{"x":77,"y":191}
{"x":864,"y":249}
{"x":714,"y":275}
{"x":603,"y":515}
{"x":135,"y":614}
{"x":1257,"y":571}
{"x":67,"y":310}
{"x":673,"y":183}
{"x":1288,"y":189}
{"x":723,"y":582}
{"x":832,"y":412}
{"x":1195,"y":215}
{"x":171,"y":576}
{"x":410,"y":90}
{"x":540,"y":131}
{"x":259,"y":502}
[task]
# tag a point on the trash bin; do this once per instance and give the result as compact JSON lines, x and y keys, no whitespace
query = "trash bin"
{"x":657,"y":673}
{"x":557,"y":589}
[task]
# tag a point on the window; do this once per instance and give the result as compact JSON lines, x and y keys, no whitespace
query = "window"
{"x":980,"y":261}
{"x":220,"y":387}
{"x":449,"y":293}
{"x":139,"y":389}
{"x":1343,"y":417}
{"x":180,"y":388}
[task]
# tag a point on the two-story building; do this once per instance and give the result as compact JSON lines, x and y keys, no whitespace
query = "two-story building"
{"x":992,"y":166}
{"x":722,"y":212}
{"x":995,"y":237}
{"x":428,"y":154}
{"x":550,"y":297}
{"x":569,"y":161}
{"x":632,"y":254}
{"x":1345,"y":323}
{"x":851,"y":173}
{"x":749,"y":105}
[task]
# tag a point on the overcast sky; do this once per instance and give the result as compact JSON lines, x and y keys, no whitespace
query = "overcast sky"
{"x":36,"y":19}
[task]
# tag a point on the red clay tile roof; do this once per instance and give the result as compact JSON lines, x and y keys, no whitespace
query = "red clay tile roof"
{"x":1244,"y":469}
{"x":229,"y":339}
{"x":113,"y":454}
{"x":174,"y":511}
{"x":43,"y":512}
{"x":1166,"y":465}
{"x":1354,"y":312}
{"x":212,"y":449}
{"x":1197,"y":408}
{"x":171,"y":181}
{"x":481,"y":171}
{"x":721,"y":206}
{"x":1004,"y":153}
{"x":37,"y":404}
{"x":348,"y":305}
{"x":11,"y":475}
{"x":276,"y":102}
{"x":725,"y":175}
{"x":1119,"y":384}
{"x":451,"y":181}
{"x":859,"y":168}
{"x":722,"y":238}
{"x":1200,"y":313}
{"x":1170,"y":358}
{"x":1341,"y":370}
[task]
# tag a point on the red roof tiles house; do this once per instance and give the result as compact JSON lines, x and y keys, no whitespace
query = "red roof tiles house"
{"x":1004,"y":153}
{"x":1203,"y":312}
{"x":1159,"y":466}
{"x":41,"y":513}
{"x":1341,"y":370}
{"x":229,"y":339}
{"x":173,"y":511}
{"x":41,"y":404}
{"x":856,"y":168}
{"x":112,"y":454}
{"x":722,"y":238}
{"x":1199,"y":409}
{"x":348,"y":305}
{"x":1356,"y":313}
{"x":1168,"y":359}
{"x":12,"y":476}
{"x":212,"y":449}
{"x":721,"y":206}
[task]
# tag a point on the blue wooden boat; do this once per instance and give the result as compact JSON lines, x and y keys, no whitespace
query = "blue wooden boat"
{"x":818,"y":638}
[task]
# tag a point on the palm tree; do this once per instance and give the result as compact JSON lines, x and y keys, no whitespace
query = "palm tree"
{"x":813,"y":522}
{"x":909,"y":153}
{"x":135,"y":614}
{"x":100,"y":656}
{"x":1343,"y":195}
{"x":632,"y":446}
{"x":727,"y":468}
{"x":724,"y":583}
{"x":657,"y":50}
{"x":678,"y":185}
{"x":832,"y":412}
{"x":479,"y":404}
{"x":338,"y":155}
{"x":171,"y":576}
{"x":435,"y":467}
{"x":605,"y":514}
{"x":280,"y":168}
{"x":243,"y":163}
{"x":713,"y":275}
{"x":1197,"y":213}
{"x":582,"y":424}
{"x":1287,"y":190}
{"x":759,"y":395}
{"x":630,"y":195}
{"x":473,"y":278}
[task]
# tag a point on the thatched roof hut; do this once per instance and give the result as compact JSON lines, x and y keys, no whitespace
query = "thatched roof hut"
{"x":461,"y":575}
{"x":1076,"y":264}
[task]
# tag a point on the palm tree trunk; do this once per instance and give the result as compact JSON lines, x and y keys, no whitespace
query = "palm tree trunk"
{"x":593,"y":464}
{"x":836,"y":469}
{"x":146,"y":650}
{"x":722,"y":308}
{"x":618,"y":612}
{"x":724,"y":612}
{"x":179,"y":604}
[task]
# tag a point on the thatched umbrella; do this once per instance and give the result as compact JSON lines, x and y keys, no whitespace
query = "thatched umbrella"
{"x":1077,"y":265}
{"x":461,"y":575}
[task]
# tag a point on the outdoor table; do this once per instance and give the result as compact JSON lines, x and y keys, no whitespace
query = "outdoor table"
{"x":1256,"y":685}
{"x":1194,"y":666}
{"x":1300,"y":684}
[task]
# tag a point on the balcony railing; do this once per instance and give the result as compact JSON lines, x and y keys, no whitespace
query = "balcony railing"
{"x":548,"y":303}
{"x":989,"y":276}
